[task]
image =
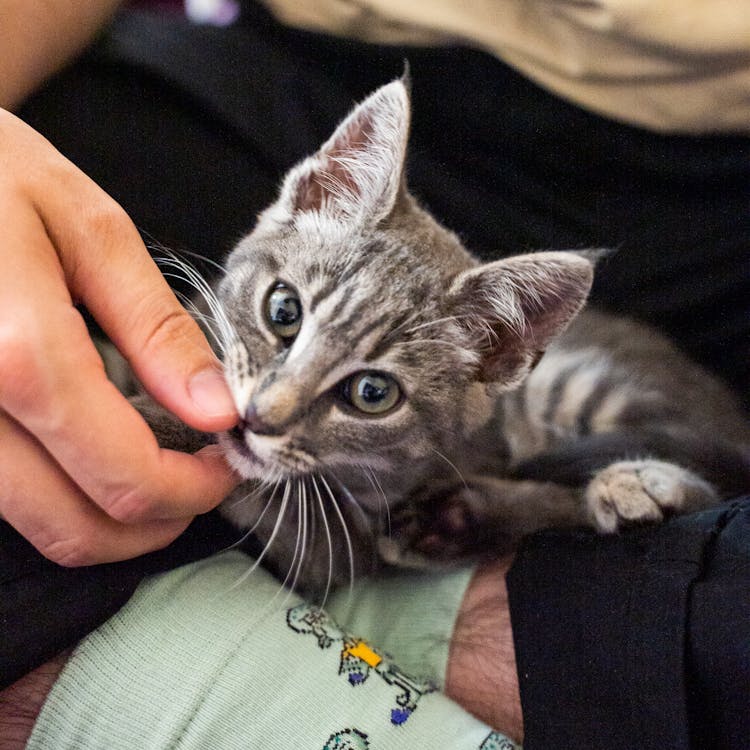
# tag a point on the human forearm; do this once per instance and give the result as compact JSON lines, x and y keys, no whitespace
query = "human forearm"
{"x":21,"y":702}
{"x":481,"y":672}
{"x":37,"y":37}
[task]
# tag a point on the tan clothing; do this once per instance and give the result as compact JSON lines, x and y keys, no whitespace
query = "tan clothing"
{"x":670,"y":65}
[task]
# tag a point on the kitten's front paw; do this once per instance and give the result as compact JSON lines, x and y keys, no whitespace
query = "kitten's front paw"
{"x":629,"y":492}
{"x":437,"y":528}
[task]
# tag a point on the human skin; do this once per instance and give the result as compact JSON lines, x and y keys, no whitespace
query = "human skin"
{"x":37,"y":37}
{"x":481,"y":673}
{"x":481,"y":670}
{"x":84,"y":479}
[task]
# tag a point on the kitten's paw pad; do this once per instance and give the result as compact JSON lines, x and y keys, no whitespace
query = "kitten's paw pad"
{"x":629,"y":492}
{"x":436,"y":529}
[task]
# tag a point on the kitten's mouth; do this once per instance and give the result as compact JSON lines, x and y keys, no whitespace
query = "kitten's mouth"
{"x":239,"y":454}
{"x":237,"y":442}
{"x":251,"y":465}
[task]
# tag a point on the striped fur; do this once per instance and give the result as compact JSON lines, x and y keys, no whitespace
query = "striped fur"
{"x":516,"y":412}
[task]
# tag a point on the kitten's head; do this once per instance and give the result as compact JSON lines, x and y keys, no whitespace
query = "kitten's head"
{"x":365,"y":332}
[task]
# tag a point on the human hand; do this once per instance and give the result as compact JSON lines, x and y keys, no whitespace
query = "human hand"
{"x":21,"y":703}
{"x":81,"y":475}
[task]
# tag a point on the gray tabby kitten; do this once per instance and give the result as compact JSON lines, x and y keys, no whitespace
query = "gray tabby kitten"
{"x":402,"y":403}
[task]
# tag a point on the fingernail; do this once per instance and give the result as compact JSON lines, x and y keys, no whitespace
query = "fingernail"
{"x":210,"y":393}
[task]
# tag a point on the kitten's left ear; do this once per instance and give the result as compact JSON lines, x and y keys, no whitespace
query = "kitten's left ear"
{"x":513,"y":308}
{"x":358,"y":172}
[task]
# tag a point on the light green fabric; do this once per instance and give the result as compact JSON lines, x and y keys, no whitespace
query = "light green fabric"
{"x":410,"y":615}
{"x":205,"y":657}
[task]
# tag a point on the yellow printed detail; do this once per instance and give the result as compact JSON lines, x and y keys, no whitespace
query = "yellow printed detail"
{"x":364,"y":652}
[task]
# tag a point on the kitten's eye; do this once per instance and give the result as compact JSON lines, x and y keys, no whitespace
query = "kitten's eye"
{"x":372,"y":392}
{"x":284,"y":311}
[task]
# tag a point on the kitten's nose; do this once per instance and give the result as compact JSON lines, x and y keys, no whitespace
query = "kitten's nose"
{"x":254,"y":422}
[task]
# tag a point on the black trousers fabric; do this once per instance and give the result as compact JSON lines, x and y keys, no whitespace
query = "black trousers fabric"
{"x":637,"y":640}
{"x":191,"y":129}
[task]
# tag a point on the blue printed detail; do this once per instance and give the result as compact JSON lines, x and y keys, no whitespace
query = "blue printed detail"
{"x":358,"y":660}
{"x":399,"y":715}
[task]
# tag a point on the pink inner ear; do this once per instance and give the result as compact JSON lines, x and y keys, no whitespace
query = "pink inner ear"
{"x":334,"y":175}
{"x":523,"y":303}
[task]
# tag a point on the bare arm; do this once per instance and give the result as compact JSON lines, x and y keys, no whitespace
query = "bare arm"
{"x":37,"y":37}
{"x":481,"y":673}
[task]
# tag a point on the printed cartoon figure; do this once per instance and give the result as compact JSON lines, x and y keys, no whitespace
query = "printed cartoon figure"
{"x":347,"y":739}
{"x":308,"y":619}
{"x":359,"y":660}
{"x":497,"y":741}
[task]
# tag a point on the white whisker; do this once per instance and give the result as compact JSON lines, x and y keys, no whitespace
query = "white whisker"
{"x":423,"y":342}
{"x":345,"y":529}
{"x":352,"y":500}
{"x":208,"y":322}
{"x":175,"y":267}
{"x":375,"y":482}
{"x":452,"y":465}
{"x":271,"y":539}
{"x":329,"y":540}
{"x":454,"y":318}
{"x":249,"y":497}
{"x":301,"y":531}
{"x":294,"y":564}
{"x":204,"y":259}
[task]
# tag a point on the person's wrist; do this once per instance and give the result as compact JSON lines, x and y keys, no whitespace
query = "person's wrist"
{"x":481,"y":673}
{"x":21,"y":703}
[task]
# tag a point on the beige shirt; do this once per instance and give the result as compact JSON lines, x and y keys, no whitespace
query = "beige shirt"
{"x":670,"y":65}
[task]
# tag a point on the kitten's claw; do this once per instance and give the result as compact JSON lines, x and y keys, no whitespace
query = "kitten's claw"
{"x":629,"y":492}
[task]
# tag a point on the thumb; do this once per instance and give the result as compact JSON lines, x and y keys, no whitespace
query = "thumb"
{"x":172,"y":358}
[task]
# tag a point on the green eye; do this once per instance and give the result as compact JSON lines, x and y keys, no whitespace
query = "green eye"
{"x":372,"y":392}
{"x":284,"y":311}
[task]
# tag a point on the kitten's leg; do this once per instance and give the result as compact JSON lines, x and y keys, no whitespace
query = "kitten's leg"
{"x":170,"y":432}
{"x":629,"y":492}
{"x":488,"y":516}
{"x":575,"y":461}
{"x":484,"y":517}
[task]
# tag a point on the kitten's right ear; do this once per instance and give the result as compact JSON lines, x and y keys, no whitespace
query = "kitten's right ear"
{"x":512,"y":309}
{"x":358,"y":172}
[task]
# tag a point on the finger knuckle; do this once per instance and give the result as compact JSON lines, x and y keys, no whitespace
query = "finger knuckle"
{"x":106,"y":218}
{"x":101,"y":220}
{"x":162,"y":329}
{"x":72,"y":552}
{"x":20,"y":366}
